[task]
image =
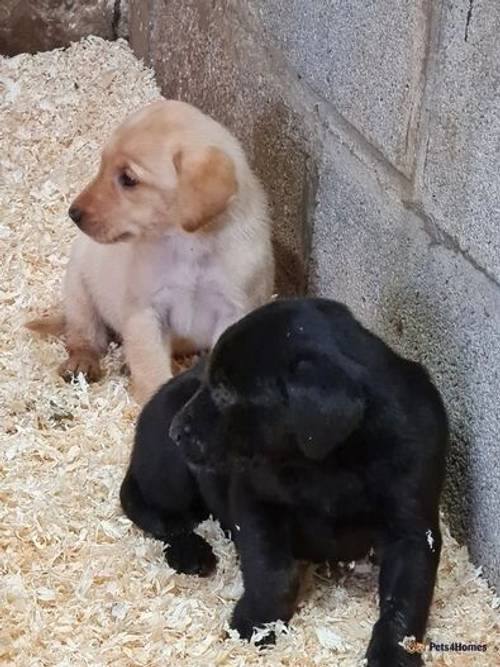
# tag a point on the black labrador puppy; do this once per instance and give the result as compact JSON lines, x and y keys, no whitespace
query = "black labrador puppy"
{"x":308,"y":438}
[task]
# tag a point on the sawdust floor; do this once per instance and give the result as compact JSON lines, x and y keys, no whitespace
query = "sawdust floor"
{"x":79,"y":584}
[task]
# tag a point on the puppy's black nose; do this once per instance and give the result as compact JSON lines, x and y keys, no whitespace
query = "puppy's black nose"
{"x":179,"y":431}
{"x":75,"y":214}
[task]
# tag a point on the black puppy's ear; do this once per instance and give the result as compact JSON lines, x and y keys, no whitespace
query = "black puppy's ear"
{"x":325,"y":406}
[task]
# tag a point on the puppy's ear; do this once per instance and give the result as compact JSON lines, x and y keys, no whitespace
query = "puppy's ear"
{"x":207,"y":181}
{"x":325,"y":406}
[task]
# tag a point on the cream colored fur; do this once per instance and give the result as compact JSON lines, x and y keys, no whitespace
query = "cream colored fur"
{"x":174,"y":256}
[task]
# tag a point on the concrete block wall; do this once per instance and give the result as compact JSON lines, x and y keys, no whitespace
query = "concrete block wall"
{"x":375,"y":127}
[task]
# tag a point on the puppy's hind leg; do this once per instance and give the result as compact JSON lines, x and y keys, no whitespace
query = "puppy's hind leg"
{"x":410,"y":559}
{"x":86,"y":335}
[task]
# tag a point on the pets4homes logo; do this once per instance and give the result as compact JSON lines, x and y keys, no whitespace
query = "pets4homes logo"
{"x":411,"y":645}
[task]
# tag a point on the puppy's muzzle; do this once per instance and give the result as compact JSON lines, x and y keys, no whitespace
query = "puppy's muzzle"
{"x":180,"y":430}
{"x":183,"y":435}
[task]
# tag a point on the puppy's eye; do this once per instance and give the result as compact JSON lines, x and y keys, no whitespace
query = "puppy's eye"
{"x":126,"y":179}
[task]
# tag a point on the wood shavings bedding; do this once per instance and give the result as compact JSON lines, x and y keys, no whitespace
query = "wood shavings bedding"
{"x":79,"y":584}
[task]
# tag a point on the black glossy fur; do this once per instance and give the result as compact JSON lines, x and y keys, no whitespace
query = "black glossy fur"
{"x":309,"y":439}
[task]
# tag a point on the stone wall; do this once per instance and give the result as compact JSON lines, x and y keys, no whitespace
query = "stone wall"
{"x":375,"y":127}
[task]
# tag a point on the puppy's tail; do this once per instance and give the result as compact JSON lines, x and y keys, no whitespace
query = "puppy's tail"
{"x":50,"y":324}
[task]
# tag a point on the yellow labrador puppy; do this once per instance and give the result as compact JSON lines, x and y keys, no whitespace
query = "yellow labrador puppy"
{"x":174,"y":246}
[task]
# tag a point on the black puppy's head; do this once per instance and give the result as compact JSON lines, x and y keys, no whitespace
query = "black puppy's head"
{"x":267,"y":397}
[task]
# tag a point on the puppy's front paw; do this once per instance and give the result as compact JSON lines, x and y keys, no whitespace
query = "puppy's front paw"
{"x":190,"y":554}
{"x":142,"y":391}
{"x":245,"y":621}
{"x":386,"y":652}
{"x":83,"y":362}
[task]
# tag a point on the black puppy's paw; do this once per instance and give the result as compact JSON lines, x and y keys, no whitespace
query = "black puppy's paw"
{"x":245,"y":621}
{"x":191,"y":554}
{"x":390,"y":654}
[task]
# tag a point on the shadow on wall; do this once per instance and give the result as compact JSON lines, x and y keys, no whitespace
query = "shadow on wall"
{"x":418,"y":327}
{"x":290,"y":179}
